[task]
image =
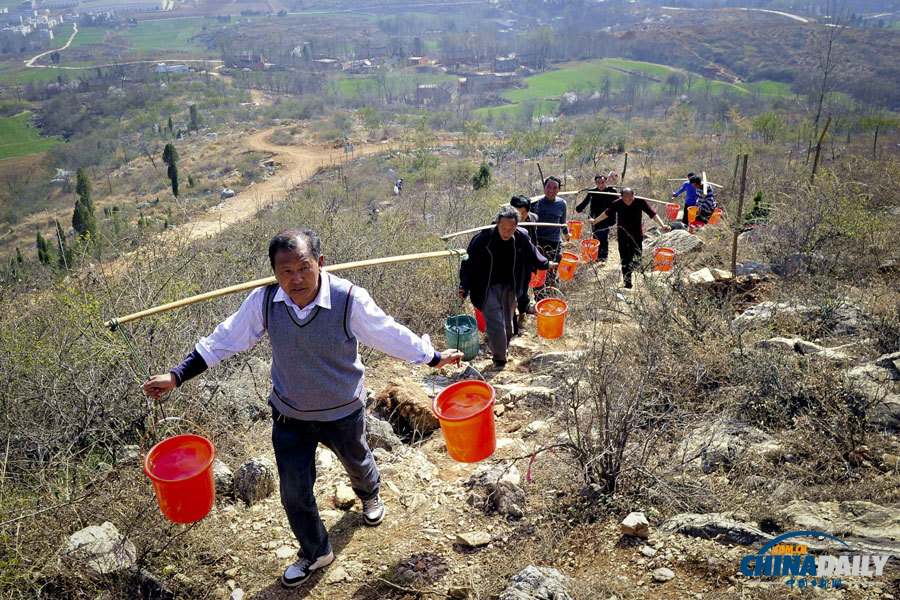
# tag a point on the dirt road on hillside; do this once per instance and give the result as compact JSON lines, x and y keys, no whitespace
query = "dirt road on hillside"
{"x":296,"y":163}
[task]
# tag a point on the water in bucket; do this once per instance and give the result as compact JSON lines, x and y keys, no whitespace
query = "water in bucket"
{"x":551,"y":317}
{"x":180,"y":468}
{"x":589,"y":250}
{"x":672,"y":211}
{"x":663,"y":259}
{"x":466,"y":413}
{"x":461,"y":332}
{"x":574,"y":229}
{"x":567,"y":266}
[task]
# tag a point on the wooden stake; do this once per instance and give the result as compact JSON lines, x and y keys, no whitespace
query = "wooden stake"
{"x":624,"y":168}
{"x":541,"y":173}
{"x":270,"y":280}
{"x":740,"y":218}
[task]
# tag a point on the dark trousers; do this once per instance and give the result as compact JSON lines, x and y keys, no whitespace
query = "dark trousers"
{"x":552,"y":251}
{"x":630,"y":255}
{"x":602,"y":236}
{"x":295,"y":445}
{"x":499,"y":316}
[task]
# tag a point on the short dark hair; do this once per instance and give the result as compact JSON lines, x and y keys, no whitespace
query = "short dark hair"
{"x":290,"y":239}
{"x":691,"y":174}
{"x":553,"y":178}
{"x":695,"y":179}
{"x":520,"y":201}
{"x":507,"y":212}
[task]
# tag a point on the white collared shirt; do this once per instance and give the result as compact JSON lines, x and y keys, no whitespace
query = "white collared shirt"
{"x":368,"y":323}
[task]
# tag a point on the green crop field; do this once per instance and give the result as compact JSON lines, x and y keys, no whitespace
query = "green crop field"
{"x":23,"y":75}
{"x":571,"y":76}
{"x":167,"y":34}
{"x":86,"y":35}
{"x":19,"y":138}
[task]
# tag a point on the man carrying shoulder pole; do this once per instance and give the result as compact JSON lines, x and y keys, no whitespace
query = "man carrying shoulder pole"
{"x":315,"y":322}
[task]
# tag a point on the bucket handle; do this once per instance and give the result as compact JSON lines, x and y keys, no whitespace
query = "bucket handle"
{"x":155,"y":425}
{"x":556,"y":293}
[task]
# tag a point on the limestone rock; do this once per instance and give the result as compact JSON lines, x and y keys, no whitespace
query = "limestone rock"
{"x":648,"y":551}
{"x":663,"y":575}
{"x":752,"y":267}
{"x":344,"y":496}
{"x":380,"y":434}
{"x":801,"y":346}
{"x":536,"y":428}
{"x":713,"y":526}
{"x":237,"y":594}
{"x":223,"y":478}
{"x":636,"y":524}
{"x":284,"y":552}
{"x":497,"y":489}
{"x":679,"y":240}
{"x":100,"y":549}
{"x":404,"y":398}
{"x":337,"y":575}
{"x":255,"y":480}
{"x":841,"y":318}
{"x":490,"y":476}
{"x":525,"y":395}
{"x":853,"y":518}
{"x":325,"y":459}
{"x":722,"y":274}
{"x":474,"y":539}
{"x":537,"y":583}
{"x":702,"y":277}
{"x":723,"y":443}
{"x":879,"y":383}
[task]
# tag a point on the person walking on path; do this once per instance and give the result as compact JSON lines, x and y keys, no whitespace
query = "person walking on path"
{"x":496,"y":273}
{"x":599,"y":203}
{"x":630,"y":234}
{"x":315,"y":322}
{"x":690,"y":194}
{"x":550,"y":209}
{"x":522,"y":204}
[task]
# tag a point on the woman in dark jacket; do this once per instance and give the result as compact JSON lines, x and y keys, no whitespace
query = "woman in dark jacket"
{"x":496,"y":273}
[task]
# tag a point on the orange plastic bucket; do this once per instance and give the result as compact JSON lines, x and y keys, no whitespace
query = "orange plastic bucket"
{"x":692,"y":213}
{"x":551,"y":317}
{"x":663,"y":259}
{"x":672,"y":211}
{"x":180,"y":468}
{"x":590,"y":249}
{"x":466,"y":413}
{"x":479,"y":320}
{"x":567,"y":265}
{"x":537,"y":279}
{"x":714,"y":218}
{"x":575,"y":229}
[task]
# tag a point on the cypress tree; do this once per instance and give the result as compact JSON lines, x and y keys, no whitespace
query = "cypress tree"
{"x":195,"y":118}
{"x":83,"y":220}
{"x":45,"y":252}
{"x":83,"y":188}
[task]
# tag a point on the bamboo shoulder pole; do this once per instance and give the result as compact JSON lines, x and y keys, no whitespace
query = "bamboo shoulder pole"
{"x":708,"y":182}
{"x":249,"y":285}
{"x":618,"y":194}
{"x":483,"y":227}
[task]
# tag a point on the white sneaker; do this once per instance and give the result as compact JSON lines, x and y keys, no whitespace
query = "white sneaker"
{"x":300,"y":571}
{"x":373,"y":511}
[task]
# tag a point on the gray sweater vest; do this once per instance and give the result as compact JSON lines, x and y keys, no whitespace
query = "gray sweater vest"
{"x":316,"y":371}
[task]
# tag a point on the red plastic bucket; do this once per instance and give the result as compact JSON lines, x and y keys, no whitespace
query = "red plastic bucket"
{"x":180,"y":468}
{"x":479,"y":320}
{"x":567,"y":265}
{"x":466,"y":413}
{"x":714,"y":218}
{"x":672,"y":211}
{"x":575,"y":229}
{"x":589,"y":250}
{"x":551,"y":317}
{"x":663,"y":259}
{"x":537,"y":279}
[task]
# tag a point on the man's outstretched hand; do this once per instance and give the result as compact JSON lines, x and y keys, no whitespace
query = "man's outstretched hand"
{"x":450,"y":355}
{"x":158,"y":385}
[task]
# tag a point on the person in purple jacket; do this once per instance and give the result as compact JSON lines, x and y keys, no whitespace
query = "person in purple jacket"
{"x":315,"y":322}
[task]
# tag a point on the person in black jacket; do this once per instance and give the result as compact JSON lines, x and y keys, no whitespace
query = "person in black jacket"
{"x":599,"y":203}
{"x":496,"y":274}
{"x":523,"y":204}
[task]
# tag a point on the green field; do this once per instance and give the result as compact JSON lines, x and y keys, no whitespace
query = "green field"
{"x":23,"y":75}
{"x":19,"y":138}
{"x":86,"y":35}
{"x":166,"y":34}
